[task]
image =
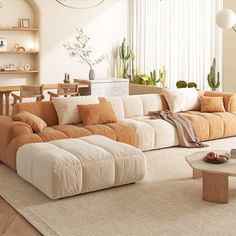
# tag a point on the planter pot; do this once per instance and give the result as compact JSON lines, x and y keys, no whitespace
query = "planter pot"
{"x":92,"y":74}
{"x":143,"y":89}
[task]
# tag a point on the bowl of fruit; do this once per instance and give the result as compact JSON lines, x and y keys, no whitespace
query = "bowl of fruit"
{"x":215,"y":158}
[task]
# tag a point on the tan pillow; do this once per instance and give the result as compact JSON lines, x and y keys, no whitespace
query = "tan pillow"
{"x":36,"y":123}
{"x":212,"y":104}
{"x":97,"y":114}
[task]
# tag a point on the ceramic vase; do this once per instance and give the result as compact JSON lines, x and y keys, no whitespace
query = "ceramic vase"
{"x":91,"y":74}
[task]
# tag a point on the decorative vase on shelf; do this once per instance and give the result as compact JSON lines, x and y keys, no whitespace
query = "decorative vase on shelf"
{"x":66,"y":78}
{"x":92,"y":74}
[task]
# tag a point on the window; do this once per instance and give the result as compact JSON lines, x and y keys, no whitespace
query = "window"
{"x":180,"y":34}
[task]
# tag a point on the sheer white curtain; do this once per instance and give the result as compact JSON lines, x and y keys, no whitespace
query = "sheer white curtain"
{"x":180,"y":34}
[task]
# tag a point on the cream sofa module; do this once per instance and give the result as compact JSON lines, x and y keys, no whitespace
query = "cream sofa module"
{"x":133,"y":111}
{"x":67,"y":167}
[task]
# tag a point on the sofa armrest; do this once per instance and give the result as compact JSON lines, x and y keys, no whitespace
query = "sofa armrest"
{"x":229,"y":99}
{"x":9,"y":130}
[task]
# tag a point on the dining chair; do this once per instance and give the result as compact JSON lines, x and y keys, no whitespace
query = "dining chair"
{"x":29,"y":91}
{"x":65,"y":90}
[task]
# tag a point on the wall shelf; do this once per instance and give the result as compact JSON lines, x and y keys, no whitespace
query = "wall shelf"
{"x":18,"y":72}
{"x":19,"y":52}
{"x":18,"y":29}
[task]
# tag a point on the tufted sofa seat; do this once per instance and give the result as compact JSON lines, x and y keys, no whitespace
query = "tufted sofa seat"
{"x":134,"y":126}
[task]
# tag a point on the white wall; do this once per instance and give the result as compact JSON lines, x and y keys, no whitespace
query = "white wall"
{"x":229,"y":55}
{"x":105,"y":24}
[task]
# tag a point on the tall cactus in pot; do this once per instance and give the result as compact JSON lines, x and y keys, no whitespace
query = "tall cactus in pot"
{"x":162,"y":76}
{"x":124,"y":52}
{"x":211,"y":78}
{"x":132,"y":57}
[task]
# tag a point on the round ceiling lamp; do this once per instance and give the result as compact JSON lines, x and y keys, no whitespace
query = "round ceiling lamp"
{"x":226,"y":19}
{"x":80,"y":4}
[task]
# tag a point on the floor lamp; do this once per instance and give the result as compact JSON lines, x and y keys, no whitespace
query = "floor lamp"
{"x":226,"y":19}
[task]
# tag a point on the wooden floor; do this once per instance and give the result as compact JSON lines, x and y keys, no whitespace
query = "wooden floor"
{"x":12,"y":223}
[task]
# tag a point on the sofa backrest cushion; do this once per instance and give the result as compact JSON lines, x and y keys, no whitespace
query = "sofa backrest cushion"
{"x":151,"y":102}
{"x":67,"y":109}
{"x":117,"y":106}
{"x":44,"y":110}
{"x":135,"y":105}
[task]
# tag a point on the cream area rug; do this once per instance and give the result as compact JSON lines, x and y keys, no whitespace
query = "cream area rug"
{"x":166,"y":202}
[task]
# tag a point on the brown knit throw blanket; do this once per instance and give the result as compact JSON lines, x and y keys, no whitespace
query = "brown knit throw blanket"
{"x":185,"y":130}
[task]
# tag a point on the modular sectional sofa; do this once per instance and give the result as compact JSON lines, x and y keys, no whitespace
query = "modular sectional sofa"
{"x":133,"y":127}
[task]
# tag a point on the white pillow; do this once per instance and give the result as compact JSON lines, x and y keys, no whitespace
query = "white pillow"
{"x":183,"y":99}
{"x":67,"y":108}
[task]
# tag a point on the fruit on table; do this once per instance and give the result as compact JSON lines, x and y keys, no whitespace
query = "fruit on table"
{"x":215,"y":156}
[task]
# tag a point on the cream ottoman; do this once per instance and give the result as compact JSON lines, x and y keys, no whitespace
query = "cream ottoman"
{"x":68,"y":167}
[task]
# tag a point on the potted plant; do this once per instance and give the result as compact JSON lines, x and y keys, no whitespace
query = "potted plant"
{"x":81,"y":48}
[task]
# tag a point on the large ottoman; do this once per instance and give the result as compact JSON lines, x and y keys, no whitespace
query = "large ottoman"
{"x":67,"y":167}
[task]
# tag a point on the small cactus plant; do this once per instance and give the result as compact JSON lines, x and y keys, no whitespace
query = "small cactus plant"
{"x":162,"y":76}
{"x":153,"y":78}
{"x":192,"y":85}
{"x":211,"y":78}
{"x":124,"y":53}
{"x":184,"y":84}
{"x":181,"y":84}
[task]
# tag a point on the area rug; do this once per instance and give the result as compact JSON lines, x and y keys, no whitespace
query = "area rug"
{"x":166,"y":202}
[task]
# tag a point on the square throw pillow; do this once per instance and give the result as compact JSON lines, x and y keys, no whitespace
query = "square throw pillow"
{"x":183,"y":99}
{"x":212,"y":104}
{"x":67,"y":110}
{"x":97,"y":114}
{"x":36,"y":123}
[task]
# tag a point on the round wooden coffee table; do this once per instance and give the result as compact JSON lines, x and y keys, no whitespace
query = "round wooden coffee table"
{"x":215,"y":185}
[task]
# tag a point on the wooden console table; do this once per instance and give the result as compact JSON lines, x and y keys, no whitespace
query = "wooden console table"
{"x":7,"y":90}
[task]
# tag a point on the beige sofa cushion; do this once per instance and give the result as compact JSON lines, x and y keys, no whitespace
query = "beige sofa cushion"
{"x":133,"y":106}
{"x":67,"y":110}
{"x":183,"y":99}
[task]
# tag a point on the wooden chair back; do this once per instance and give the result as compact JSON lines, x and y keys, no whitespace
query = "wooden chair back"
{"x":28,"y":91}
{"x":71,"y":89}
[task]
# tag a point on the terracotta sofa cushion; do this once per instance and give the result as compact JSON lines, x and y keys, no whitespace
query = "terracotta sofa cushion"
{"x":36,"y":123}
{"x":229,"y":99}
{"x":97,"y":114}
{"x":44,"y":110}
{"x":212,"y":104}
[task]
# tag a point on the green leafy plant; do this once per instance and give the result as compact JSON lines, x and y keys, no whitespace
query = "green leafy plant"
{"x":124,"y":53}
{"x":213,"y":82}
{"x":144,"y":79}
{"x":81,"y":48}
